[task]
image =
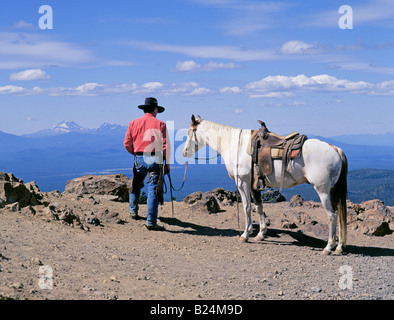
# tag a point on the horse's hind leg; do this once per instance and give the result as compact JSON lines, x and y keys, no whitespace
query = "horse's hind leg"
{"x":332,"y":217}
{"x":259,"y":203}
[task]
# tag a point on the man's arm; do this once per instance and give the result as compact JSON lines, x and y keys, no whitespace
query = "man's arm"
{"x":128,"y":140}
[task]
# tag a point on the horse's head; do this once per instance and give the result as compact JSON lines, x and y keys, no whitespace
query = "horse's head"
{"x":195,"y":138}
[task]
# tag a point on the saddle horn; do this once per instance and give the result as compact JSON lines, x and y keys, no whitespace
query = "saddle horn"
{"x":263,"y":130}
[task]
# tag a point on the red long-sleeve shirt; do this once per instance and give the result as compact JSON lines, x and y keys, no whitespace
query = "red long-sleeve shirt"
{"x":147,"y":134}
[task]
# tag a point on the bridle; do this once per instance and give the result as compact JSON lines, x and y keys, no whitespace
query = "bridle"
{"x":196,"y":143}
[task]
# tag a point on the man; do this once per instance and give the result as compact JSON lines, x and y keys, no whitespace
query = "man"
{"x":147,"y":139}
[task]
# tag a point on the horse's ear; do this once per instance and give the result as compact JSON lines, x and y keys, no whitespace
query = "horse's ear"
{"x":199,"y":118}
{"x":193,"y":118}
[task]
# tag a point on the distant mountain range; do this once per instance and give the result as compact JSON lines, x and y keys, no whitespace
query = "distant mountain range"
{"x":68,"y":126}
{"x":386,"y":139}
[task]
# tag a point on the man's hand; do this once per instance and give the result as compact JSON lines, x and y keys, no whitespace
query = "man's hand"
{"x":167,"y":168}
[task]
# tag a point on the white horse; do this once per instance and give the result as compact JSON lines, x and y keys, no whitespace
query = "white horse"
{"x":321,"y":164}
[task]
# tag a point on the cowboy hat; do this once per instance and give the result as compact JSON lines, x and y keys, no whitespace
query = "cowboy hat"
{"x":151,"y":103}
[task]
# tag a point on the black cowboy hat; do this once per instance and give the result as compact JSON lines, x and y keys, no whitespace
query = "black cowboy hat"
{"x":150,"y":104}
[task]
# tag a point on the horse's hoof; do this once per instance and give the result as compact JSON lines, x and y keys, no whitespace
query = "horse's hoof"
{"x":258,"y":238}
{"x":326,"y":252}
{"x":243,"y":239}
{"x":338,"y":252}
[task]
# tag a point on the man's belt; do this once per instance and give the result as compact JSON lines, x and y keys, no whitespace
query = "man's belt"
{"x":153,"y":154}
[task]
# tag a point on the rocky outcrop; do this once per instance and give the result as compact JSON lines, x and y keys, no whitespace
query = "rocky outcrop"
{"x":296,"y":201}
{"x":212,"y":201}
{"x":204,"y":202}
{"x":370,"y":217}
{"x":13,"y":190}
{"x":115,"y":185}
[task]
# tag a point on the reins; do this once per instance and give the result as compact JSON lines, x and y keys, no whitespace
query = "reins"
{"x":172,"y":187}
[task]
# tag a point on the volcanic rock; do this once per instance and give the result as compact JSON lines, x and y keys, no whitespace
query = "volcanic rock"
{"x":13,"y":190}
{"x":370,"y":217}
{"x":296,"y":201}
{"x":116,"y":185}
{"x":272,"y":196}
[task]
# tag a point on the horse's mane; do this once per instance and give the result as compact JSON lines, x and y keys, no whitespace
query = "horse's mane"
{"x":216,"y":125}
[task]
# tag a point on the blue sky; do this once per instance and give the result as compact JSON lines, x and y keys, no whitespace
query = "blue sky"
{"x":287,"y":63}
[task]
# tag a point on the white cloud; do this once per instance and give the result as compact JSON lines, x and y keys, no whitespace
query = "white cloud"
{"x":192,"y":66}
{"x":152,"y":86}
{"x":200,"y":92}
{"x":29,"y":75}
{"x":303,"y":83}
{"x":30,"y":50}
{"x":207,"y":52}
{"x":23,"y":25}
{"x":239,"y":111}
{"x":286,"y":87}
{"x":186,"y":66}
{"x":268,"y":87}
{"x":230,"y":90}
{"x":95,"y":89}
{"x":273,"y":95}
{"x":295,"y":47}
{"x":297,"y":103}
{"x":12,"y":90}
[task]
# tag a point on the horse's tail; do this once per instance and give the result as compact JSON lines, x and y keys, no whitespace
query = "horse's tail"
{"x":338,"y":197}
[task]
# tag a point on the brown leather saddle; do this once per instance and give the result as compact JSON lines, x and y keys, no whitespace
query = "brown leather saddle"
{"x":268,"y":146}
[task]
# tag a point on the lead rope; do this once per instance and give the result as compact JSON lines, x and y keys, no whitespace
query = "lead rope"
{"x":172,"y":187}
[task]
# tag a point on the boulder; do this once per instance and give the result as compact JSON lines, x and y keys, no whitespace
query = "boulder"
{"x":13,"y":190}
{"x":292,"y":220}
{"x":375,"y":209}
{"x":205,"y":202}
{"x":105,"y":215}
{"x":208,"y":203}
{"x":373,"y":227}
{"x":223,"y":196}
{"x":370,"y":217}
{"x":272,"y":196}
{"x":116,"y":185}
{"x":296,"y":201}
{"x":193,"y":197}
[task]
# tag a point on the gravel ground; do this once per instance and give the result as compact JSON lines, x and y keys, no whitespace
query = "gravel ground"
{"x":198,"y":257}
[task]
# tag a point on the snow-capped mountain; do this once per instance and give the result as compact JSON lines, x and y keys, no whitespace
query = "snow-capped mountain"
{"x":68,"y":126}
{"x":108,"y":128}
{"x":63,"y":127}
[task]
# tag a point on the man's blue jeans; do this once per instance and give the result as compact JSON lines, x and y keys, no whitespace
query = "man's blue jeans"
{"x":143,"y":166}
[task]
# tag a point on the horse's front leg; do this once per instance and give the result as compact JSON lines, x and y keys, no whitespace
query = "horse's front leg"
{"x":244,"y":192}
